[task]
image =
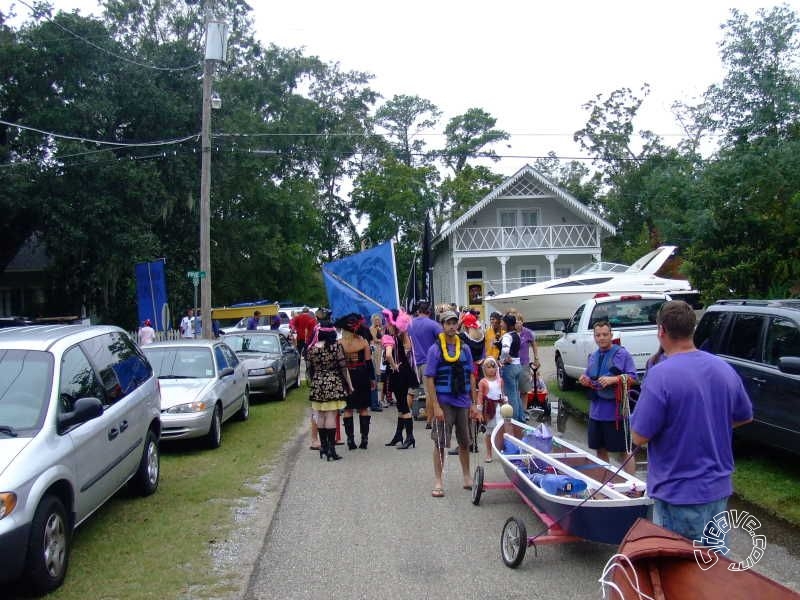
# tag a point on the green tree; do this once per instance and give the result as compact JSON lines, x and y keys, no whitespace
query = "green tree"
{"x":404,"y":118}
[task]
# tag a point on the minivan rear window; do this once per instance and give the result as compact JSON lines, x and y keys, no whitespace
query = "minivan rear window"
{"x":120,"y":364}
{"x":25,"y":380}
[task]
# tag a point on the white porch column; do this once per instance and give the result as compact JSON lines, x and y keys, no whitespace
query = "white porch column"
{"x":456,"y":287}
{"x":597,"y":257}
{"x":552,"y":258}
{"x":503,"y":260}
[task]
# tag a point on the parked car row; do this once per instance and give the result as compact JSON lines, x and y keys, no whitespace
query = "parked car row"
{"x":82,"y":413}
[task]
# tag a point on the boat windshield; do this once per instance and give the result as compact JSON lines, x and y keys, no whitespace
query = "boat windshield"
{"x":601,"y":267}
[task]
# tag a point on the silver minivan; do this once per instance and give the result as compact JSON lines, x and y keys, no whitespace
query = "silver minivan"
{"x":79,"y":418}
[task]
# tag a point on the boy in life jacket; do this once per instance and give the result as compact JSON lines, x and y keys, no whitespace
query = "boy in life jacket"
{"x":452,"y":398}
{"x":609,"y":430}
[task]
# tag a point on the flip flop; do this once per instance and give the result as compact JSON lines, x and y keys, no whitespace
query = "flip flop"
{"x":317,"y":448}
{"x":467,"y":487}
{"x":488,"y":460}
{"x":437,"y":492}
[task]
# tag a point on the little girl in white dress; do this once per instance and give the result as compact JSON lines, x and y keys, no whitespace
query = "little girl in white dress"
{"x":490,"y":390}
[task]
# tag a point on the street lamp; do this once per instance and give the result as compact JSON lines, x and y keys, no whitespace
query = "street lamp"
{"x":216,"y":101}
{"x":216,"y":47}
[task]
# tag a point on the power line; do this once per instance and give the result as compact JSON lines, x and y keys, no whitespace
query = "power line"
{"x":84,"y":139}
{"x":106,"y":51}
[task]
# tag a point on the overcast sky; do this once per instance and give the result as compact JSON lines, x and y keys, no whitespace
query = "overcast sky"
{"x":531,"y":64}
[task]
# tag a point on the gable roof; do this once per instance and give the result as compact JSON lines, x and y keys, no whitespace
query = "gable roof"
{"x":562,"y":195}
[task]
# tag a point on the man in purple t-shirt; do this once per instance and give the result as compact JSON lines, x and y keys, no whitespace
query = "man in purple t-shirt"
{"x":452,"y":398}
{"x":608,"y":429}
{"x":423,"y":332}
{"x":686,"y":413}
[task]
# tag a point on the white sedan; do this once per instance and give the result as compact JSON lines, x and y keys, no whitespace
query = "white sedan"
{"x":203,"y":384}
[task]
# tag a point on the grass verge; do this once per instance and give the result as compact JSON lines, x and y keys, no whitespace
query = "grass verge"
{"x":765,"y":478}
{"x":158,"y":547}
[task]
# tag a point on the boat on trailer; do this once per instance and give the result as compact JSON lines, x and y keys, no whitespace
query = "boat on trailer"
{"x":576,"y":495}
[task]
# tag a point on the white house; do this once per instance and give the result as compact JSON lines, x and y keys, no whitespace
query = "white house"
{"x":525,"y":230}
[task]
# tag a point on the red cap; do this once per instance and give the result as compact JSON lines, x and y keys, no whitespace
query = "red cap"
{"x":470,"y":321}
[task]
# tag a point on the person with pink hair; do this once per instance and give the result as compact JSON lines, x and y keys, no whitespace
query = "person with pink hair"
{"x":402,"y":373}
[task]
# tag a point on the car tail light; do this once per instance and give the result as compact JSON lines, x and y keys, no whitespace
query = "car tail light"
{"x":601,"y":295}
{"x":633,"y":297}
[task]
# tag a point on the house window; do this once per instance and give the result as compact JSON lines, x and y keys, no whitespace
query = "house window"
{"x":530,"y":218}
{"x":527,"y":276}
{"x":474,"y":275}
{"x":563,"y":272}
{"x":508,"y":218}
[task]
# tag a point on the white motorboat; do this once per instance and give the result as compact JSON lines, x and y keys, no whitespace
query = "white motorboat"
{"x":556,"y":299}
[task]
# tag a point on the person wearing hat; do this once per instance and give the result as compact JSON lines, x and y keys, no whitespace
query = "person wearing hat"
{"x":423,"y":332}
{"x":147,"y":334}
{"x":398,"y":355}
{"x":472,"y":335}
{"x":451,"y":398}
{"x":510,"y":363}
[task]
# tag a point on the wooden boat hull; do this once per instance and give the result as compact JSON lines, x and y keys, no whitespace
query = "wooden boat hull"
{"x":607,"y":510}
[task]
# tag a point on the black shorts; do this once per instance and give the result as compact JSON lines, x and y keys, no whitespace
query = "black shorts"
{"x":609,"y":435}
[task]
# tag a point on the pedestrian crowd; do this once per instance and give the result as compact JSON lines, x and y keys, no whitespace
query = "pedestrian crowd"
{"x":440,"y":363}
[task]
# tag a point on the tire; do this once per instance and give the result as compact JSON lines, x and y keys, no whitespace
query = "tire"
{"x":213,"y":438}
{"x":565,"y":382}
{"x":281,"y":395}
{"x":47,"y":556}
{"x":477,"y":485}
{"x":513,"y":542}
{"x":145,"y":480}
{"x":244,"y":411}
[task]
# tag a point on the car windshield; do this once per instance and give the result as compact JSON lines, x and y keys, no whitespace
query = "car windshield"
{"x":181,"y":363}
{"x":267,"y":344}
{"x":25,"y":380}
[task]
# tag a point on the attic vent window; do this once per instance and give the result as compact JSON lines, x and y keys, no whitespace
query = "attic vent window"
{"x":474,"y":274}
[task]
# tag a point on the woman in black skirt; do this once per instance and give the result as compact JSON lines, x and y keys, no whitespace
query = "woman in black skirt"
{"x":402,"y":373}
{"x":358,"y":358}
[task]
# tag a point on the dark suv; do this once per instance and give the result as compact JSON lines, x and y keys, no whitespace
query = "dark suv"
{"x":761,"y":340}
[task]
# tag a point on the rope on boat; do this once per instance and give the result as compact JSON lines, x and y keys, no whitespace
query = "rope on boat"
{"x":584,"y":501}
{"x":622,"y":563}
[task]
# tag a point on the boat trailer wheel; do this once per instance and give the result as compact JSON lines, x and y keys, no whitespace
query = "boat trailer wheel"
{"x":513,"y":542}
{"x":477,"y":485}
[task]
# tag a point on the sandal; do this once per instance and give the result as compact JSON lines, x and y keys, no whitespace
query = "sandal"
{"x":488,"y":460}
{"x":437,"y":492}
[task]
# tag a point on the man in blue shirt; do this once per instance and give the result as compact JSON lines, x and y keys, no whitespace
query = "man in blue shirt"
{"x":252,"y":322}
{"x":686,"y":413}
{"x":452,"y":397}
{"x":608,"y":429}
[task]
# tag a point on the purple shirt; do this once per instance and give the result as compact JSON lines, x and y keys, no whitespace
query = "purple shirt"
{"x":526,"y":338}
{"x":602,"y":409}
{"x":432,"y":362}
{"x":687,"y":409}
{"x":423,"y":332}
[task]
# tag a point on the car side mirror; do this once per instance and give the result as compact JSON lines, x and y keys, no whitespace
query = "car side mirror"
{"x":226,"y":371}
{"x":789,"y":364}
{"x":84,"y":409}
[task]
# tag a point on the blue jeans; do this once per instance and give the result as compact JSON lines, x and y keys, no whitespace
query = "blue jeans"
{"x":689,"y":520}
{"x":511,"y":389}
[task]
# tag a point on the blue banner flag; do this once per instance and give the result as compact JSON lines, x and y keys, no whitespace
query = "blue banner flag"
{"x":363,"y":283}
{"x":151,"y":294}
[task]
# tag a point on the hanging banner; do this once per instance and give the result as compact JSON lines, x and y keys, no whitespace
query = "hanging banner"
{"x":363,"y":283}
{"x":151,"y":294}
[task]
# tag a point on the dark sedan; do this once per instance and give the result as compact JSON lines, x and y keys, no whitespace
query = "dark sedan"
{"x":272,"y":362}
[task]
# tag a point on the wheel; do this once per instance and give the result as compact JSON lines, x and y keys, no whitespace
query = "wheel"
{"x":214,"y":435}
{"x":244,"y":411}
{"x":477,"y":485}
{"x":565,"y":382}
{"x":48,"y":547}
{"x":145,"y":481}
{"x":513,"y":542}
{"x":281,"y":395}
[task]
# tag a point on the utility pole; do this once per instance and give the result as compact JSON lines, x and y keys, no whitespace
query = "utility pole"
{"x":205,"y":187}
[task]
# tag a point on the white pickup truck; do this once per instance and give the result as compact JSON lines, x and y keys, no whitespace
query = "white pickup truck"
{"x":633,"y":323}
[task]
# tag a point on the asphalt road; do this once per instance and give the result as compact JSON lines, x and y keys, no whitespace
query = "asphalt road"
{"x":367,"y":527}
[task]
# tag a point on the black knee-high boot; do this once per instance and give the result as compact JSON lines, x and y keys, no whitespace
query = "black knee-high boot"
{"x":349,"y":431}
{"x":398,"y":433}
{"x":363,"y":422}
{"x":410,"y":441}
{"x":330,"y":434}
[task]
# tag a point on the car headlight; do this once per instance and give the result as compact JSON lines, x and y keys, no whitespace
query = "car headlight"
{"x":256,"y":372}
{"x":8,"y":500}
{"x":191,"y":407}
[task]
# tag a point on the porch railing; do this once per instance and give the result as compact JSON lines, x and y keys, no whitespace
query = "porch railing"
{"x":525,"y":238}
